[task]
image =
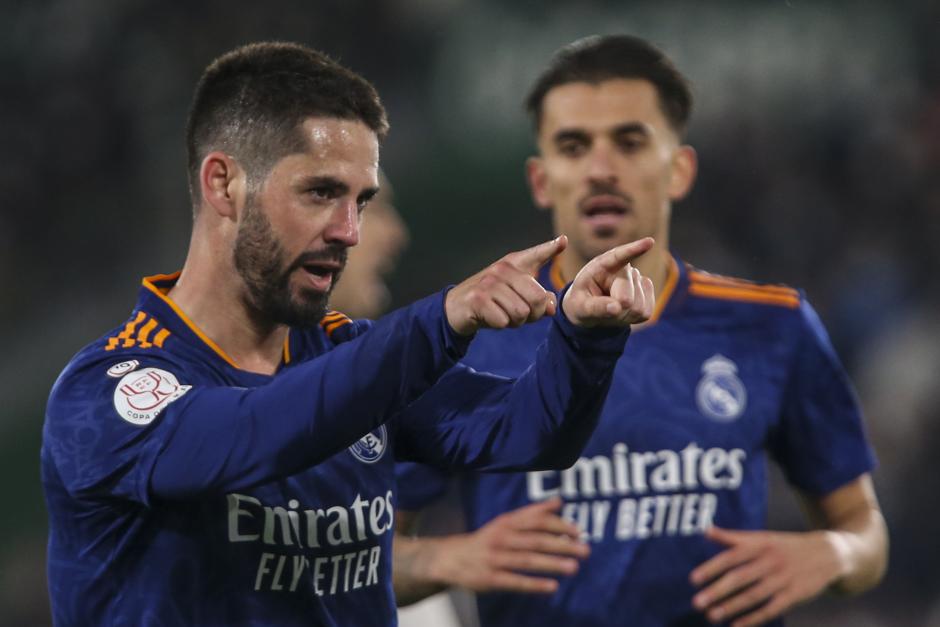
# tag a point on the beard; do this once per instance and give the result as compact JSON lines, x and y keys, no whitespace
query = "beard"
{"x":261,"y":261}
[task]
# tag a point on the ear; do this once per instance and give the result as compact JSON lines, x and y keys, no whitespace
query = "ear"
{"x":538,"y":181}
{"x":222,"y":183}
{"x":684,"y":169}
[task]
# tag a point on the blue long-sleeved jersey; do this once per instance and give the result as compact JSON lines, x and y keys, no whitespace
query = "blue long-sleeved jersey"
{"x":728,"y":374}
{"x":184,"y":491}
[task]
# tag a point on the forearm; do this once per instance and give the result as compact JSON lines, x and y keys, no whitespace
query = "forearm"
{"x":542,"y":419}
{"x":851,"y":523}
{"x":861,"y":546}
{"x":413,"y":568}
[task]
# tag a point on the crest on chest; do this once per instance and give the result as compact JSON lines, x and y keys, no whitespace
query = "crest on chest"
{"x":720,"y":394}
{"x":370,"y":447}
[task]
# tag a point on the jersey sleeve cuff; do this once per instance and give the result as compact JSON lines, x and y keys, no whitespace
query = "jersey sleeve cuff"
{"x":455,"y":345}
{"x":601,"y":340}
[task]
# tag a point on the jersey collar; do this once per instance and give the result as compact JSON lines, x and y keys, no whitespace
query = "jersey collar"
{"x":154,"y":298}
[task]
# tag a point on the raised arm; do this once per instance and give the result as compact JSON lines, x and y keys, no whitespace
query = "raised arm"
{"x":543,"y":418}
{"x":196,"y":438}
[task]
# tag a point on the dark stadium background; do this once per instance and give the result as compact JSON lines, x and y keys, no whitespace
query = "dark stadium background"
{"x":817,"y":124}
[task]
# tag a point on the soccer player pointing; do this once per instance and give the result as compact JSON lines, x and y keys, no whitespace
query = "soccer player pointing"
{"x":225,"y":456}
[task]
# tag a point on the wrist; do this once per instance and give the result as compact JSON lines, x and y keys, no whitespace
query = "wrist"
{"x":839,"y":548}
{"x":460,"y":327}
{"x":439,"y":569}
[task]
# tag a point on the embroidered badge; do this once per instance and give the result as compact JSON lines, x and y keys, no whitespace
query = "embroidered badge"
{"x":119,"y":370}
{"x":140,"y":396}
{"x":720,"y":393}
{"x":370,"y":447}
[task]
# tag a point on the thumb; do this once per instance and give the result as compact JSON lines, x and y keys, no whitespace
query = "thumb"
{"x":531,"y":259}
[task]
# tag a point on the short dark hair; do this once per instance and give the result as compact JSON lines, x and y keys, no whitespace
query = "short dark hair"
{"x":600,"y":58}
{"x":251,"y":101}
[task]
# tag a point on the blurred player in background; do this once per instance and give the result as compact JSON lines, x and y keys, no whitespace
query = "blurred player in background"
{"x":671,"y":492}
{"x":225,"y":456}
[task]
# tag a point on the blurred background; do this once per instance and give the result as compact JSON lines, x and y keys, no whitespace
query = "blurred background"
{"x":817,"y":126}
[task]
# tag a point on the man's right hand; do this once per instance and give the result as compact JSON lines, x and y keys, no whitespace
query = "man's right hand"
{"x":523,"y":550}
{"x":505,"y":293}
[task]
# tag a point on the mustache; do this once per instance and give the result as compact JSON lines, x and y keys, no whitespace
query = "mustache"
{"x":605,"y":189}
{"x":336,"y":253}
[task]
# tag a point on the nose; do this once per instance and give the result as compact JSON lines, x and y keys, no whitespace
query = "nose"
{"x":343,"y":225}
{"x":601,"y":165}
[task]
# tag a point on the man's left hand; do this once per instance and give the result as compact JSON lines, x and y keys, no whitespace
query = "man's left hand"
{"x":608,"y":291}
{"x":762,"y":574}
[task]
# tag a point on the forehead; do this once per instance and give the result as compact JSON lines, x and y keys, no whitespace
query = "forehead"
{"x":596,"y":107}
{"x":347,"y":150}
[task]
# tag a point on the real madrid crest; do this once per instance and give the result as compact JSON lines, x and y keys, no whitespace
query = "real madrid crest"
{"x":370,"y":447}
{"x":720,"y":394}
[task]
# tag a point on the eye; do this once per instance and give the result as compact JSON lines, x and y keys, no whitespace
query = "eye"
{"x":631,"y":143}
{"x":323,"y":192}
{"x":572,"y":147}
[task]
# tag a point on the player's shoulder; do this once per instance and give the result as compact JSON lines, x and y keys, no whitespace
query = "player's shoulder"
{"x":338,"y":327}
{"x":736,"y":291}
{"x":140,"y":345}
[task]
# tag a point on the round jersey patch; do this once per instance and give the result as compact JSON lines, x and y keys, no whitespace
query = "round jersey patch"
{"x":720,"y":394}
{"x":140,"y":396}
{"x":370,"y":447}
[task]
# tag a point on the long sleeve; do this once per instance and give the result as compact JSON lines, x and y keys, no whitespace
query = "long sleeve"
{"x":542,"y":419}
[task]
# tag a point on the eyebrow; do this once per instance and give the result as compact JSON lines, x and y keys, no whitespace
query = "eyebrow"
{"x":324,"y":181}
{"x":621,"y":129}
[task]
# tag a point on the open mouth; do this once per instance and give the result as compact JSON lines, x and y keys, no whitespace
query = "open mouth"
{"x":604,"y":211}
{"x":320,"y":274}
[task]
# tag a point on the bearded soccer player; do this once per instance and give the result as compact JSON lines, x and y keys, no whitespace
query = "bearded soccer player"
{"x":670,"y":493}
{"x":225,"y":456}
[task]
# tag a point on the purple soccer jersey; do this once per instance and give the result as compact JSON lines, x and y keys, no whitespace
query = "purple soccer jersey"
{"x":184,"y":491}
{"x":729,"y":374}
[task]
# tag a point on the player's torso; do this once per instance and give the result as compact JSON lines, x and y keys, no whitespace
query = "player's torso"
{"x":313,"y":548}
{"x":680,"y":445}
{"x":320,"y":538}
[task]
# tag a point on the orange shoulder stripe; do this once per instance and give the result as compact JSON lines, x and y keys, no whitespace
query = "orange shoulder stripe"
{"x":697,"y":276}
{"x":161,"y":338}
{"x":125,"y":335}
{"x":132,"y":336}
{"x":790,"y":299}
{"x":143,"y":336}
{"x":332,"y":326}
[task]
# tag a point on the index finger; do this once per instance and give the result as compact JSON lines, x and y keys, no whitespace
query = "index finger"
{"x":616,"y":258}
{"x":531,"y":259}
{"x":543,"y":516}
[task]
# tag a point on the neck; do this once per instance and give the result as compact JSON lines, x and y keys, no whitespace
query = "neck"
{"x":209,"y":293}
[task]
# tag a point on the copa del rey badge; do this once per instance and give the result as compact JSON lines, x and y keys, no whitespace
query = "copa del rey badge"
{"x":720,"y":395}
{"x":141,"y":395}
{"x":370,"y":447}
